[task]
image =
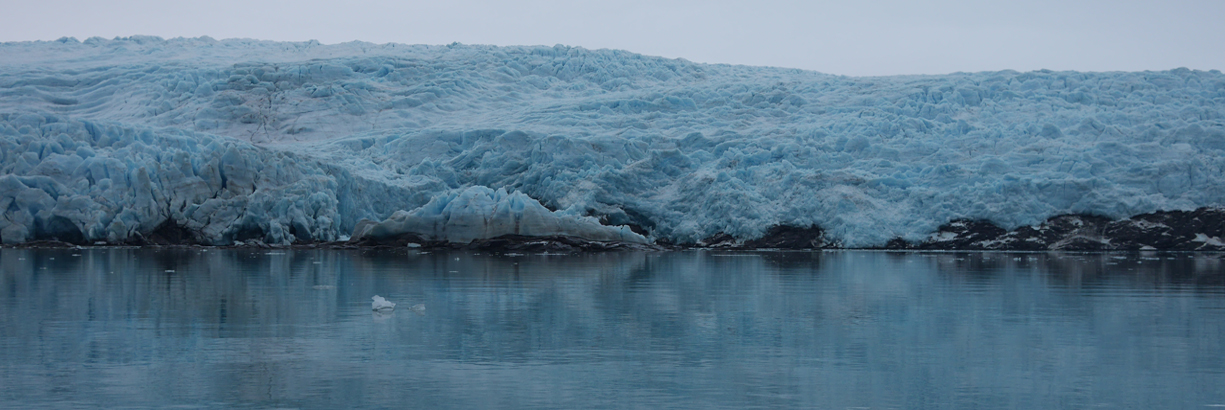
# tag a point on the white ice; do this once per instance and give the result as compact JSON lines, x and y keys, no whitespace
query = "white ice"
{"x":283,"y":142}
{"x":479,"y":212}
{"x":381,"y":304}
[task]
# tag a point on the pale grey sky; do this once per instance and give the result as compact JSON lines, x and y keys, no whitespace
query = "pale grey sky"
{"x":862,"y":37}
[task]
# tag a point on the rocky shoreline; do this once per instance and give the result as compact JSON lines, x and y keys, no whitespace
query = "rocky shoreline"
{"x":1198,"y":230}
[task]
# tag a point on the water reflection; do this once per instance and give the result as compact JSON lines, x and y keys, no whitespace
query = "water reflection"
{"x":294,"y":328}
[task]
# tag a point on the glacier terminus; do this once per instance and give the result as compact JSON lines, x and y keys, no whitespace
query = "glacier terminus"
{"x":194,"y":140}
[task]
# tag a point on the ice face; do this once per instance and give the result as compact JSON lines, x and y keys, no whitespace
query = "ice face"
{"x":85,"y":181}
{"x":283,"y":142}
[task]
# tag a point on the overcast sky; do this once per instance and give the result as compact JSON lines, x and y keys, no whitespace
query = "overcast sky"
{"x":859,"y":37}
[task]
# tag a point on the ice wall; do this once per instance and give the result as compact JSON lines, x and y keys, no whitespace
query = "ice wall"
{"x":82,"y":181}
{"x":682,"y":150}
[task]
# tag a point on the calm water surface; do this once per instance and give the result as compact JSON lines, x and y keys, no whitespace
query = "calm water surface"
{"x":188,"y":328}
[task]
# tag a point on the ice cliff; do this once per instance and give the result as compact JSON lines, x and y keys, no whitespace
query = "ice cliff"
{"x":222,"y":141}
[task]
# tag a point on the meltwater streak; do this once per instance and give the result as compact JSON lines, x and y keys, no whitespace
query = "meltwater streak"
{"x":293,"y":328}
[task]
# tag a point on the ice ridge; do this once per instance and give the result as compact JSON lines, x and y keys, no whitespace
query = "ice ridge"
{"x":287,"y":142}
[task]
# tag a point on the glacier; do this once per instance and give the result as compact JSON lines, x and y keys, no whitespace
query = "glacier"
{"x":215,"y":142}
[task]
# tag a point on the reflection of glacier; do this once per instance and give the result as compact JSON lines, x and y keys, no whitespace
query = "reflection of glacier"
{"x":284,"y":142}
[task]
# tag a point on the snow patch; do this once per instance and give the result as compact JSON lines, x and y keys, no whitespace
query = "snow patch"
{"x":944,"y":236}
{"x":1209,"y":240}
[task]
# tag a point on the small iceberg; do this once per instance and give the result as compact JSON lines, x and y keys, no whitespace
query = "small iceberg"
{"x":420,"y":307}
{"x":381,"y":304}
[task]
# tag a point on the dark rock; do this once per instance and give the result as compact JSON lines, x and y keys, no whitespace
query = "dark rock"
{"x":964,"y":234}
{"x":558,"y":244}
{"x":255,"y":243}
{"x":505,"y":243}
{"x":1081,"y":243}
{"x":247,"y":232}
{"x":1064,"y":232}
{"x":1201,"y":229}
{"x":790,"y":237}
{"x":635,"y":228}
{"x":898,"y":243}
{"x":719,"y":240}
{"x":44,"y":243}
{"x":171,"y":233}
{"x":777,"y":237}
{"x":301,"y":233}
{"x":58,"y":228}
{"x":397,"y":241}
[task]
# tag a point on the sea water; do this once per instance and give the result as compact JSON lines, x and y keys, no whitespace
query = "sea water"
{"x":284,"y":328}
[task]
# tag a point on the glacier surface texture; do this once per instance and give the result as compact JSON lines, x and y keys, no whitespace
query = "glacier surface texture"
{"x":237,"y":140}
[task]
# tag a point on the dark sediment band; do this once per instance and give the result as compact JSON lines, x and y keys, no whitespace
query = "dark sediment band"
{"x":1198,"y":230}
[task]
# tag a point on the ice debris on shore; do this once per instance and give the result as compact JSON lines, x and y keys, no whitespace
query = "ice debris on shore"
{"x":145,"y":140}
{"x":480,"y":213}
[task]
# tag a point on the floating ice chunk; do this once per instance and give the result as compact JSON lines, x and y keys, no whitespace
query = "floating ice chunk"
{"x":420,"y":307}
{"x":381,"y":304}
